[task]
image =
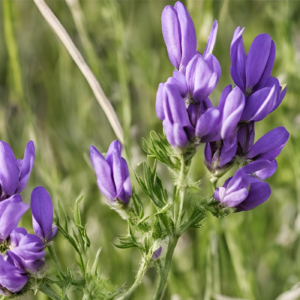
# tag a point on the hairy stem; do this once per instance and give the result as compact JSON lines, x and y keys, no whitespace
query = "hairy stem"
{"x":138,"y":280}
{"x":173,"y":239}
{"x":214,"y":181}
{"x":166,"y":268}
{"x":180,"y":192}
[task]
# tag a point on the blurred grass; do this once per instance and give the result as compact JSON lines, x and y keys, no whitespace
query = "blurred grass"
{"x":44,"y":97}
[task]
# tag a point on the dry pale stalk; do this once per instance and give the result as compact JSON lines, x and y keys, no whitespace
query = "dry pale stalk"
{"x":83,"y":66}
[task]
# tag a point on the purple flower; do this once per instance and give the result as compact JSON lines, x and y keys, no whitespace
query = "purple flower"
{"x":195,"y":110}
{"x":26,"y":251}
{"x":177,"y":119}
{"x":268,"y":147}
{"x":179,"y":35}
{"x":112,"y":173}
{"x":245,"y":137}
{"x":243,"y":191}
{"x":260,"y":104}
{"x":42,"y":214}
{"x":203,"y":71}
{"x":251,"y":72}
{"x":218,"y":154}
{"x":12,"y":279}
{"x":14,"y":173}
{"x":173,"y":113}
{"x":11,"y":211}
{"x":157,"y":253}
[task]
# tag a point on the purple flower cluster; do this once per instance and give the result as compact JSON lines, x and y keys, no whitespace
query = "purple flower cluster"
{"x":112,"y":173}
{"x":189,"y":117}
{"x":22,"y":253}
{"x":182,"y":102}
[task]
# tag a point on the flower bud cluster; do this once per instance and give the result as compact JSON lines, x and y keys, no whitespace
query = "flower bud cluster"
{"x":23,"y":253}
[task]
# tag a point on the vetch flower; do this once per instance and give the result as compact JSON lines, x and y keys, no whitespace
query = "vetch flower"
{"x":251,"y":72}
{"x":42,"y":214}
{"x":172,"y":111}
{"x":27,"y":251}
{"x":245,"y":137}
{"x":243,"y":191}
{"x":177,"y":119}
{"x":268,"y":147}
{"x":179,"y":35}
{"x":14,"y":173}
{"x":195,"y":110}
{"x":11,"y":211}
{"x":203,"y":71}
{"x":220,"y":153}
{"x":12,"y":279}
{"x":112,"y":173}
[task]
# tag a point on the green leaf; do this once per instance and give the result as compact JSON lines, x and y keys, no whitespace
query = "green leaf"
{"x":197,"y":216}
{"x":161,"y":150}
{"x":152,"y":186}
{"x":138,"y":205}
{"x":49,"y":292}
{"x":96,"y":262}
{"x":77,"y":216}
{"x":62,"y":212}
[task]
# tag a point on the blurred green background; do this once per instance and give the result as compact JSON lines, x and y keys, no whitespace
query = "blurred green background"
{"x":44,"y":97}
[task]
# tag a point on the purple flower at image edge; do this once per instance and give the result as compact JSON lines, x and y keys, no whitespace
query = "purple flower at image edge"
{"x":12,"y":279}
{"x":11,"y":211}
{"x":14,"y":173}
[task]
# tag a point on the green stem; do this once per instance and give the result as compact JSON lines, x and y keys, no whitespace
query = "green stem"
{"x":180,"y":192}
{"x":214,"y":181}
{"x":139,"y":277}
{"x":178,"y":201}
{"x":166,"y":268}
{"x":55,"y":259}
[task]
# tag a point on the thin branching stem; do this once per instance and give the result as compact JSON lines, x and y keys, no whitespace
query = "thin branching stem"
{"x":143,"y":269}
{"x":83,"y":66}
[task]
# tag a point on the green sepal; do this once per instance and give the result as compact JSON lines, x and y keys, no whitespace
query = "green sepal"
{"x":218,"y":209}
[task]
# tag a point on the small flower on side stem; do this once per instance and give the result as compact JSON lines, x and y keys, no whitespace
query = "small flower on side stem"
{"x":157,"y":253}
{"x":113,"y":176}
{"x":42,"y":214}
